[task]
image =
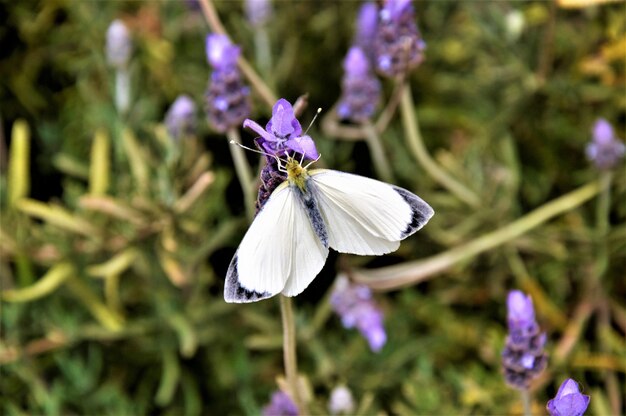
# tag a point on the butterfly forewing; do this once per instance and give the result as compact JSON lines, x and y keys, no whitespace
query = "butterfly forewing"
{"x":280,"y":252}
{"x":366,"y":216}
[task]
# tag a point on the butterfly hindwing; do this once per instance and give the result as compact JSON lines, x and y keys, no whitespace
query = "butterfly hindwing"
{"x":280,"y":252}
{"x":365,"y":216}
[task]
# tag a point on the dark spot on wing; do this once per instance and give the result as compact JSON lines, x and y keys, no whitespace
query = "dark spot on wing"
{"x":234,"y":292}
{"x":421,"y":212}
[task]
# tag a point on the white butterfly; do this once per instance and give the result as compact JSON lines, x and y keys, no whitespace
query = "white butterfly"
{"x":287,"y":244}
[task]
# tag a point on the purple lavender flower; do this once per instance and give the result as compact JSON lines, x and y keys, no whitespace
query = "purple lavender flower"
{"x":356,"y":307}
{"x":360,"y":88}
{"x":366,"y":25}
{"x":523,"y":357}
{"x":283,"y":133}
{"x":341,"y":401}
{"x":181,"y":117}
{"x":280,"y":405}
{"x":605,"y":150}
{"x":568,"y":401}
{"x":258,"y":12}
{"x":399,"y":45}
{"x":118,"y":45}
{"x":227,"y":97}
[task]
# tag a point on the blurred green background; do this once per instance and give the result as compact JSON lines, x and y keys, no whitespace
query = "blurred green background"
{"x":112,"y":287}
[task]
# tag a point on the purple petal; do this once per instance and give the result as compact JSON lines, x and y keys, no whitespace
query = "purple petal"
{"x":220,"y":51}
{"x":569,"y":386}
{"x":304,"y":145}
{"x":356,"y":63}
{"x":254,"y":126}
{"x":283,"y":122}
{"x":568,"y":401}
{"x":367,"y":22}
{"x":603,"y":131}
{"x":520,"y":309}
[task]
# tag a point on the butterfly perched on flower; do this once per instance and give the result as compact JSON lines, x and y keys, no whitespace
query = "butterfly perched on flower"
{"x":311,"y":211}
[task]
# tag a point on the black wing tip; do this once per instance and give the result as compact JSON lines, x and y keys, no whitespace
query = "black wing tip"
{"x":234,"y":292}
{"x":421,"y":212}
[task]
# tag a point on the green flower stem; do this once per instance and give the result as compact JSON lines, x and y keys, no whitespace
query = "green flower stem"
{"x":263,"y":54}
{"x":602,"y":223}
{"x":416,"y":145}
{"x":243,"y":172}
{"x":122,"y":91}
{"x":210,"y":14}
{"x":289,"y":351}
{"x":383,"y":170}
{"x":526,"y":402}
{"x":410,"y":273}
{"x":602,"y":261}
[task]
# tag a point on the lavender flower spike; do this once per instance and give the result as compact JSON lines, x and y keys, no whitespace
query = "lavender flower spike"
{"x":605,"y":150}
{"x":118,"y":45}
{"x":220,"y":52}
{"x":341,"y":401}
{"x":366,"y":26}
{"x":280,"y":405}
{"x":227,"y":97}
{"x":181,"y":117}
{"x":568,"y":401}
{"x":399,"y":45}
{"x":523,"y":357}
{"x":356,"y":307}
{"x":258,"y":12}
{"x":360,"y":88}
{"x":283,"y":133}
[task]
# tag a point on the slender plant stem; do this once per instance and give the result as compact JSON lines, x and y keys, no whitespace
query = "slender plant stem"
{"x":602,"y":224}
{"x":289,"y":351}
{"x":262,"y":50}
{"x":392,"y":105}
{"x":122,"y":91}
{"x":602,"y":261}
{"x":526,"y":402}
{"x":210,"y":14}
{"x":410,"y":273}
{"x":546,"y":51}
{"x":244,"y":173}
{"x":416,"y":144}
{"x":378,"y":153}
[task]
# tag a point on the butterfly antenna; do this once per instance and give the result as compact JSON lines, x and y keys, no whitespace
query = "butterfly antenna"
{"x":256,"y":151}
{"x":319,"y":110}
{"x":313,"y":161}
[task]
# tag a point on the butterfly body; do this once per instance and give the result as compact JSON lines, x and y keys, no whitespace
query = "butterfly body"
{"x":287,"y":244}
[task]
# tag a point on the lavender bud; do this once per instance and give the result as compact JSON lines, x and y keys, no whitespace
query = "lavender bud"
{"x":118,"y":45}
{"x":360,"y":88}
{"x":258,"y":12}
{"x":605,"y":150}
{"x":227,"y":97}
{"x":568,"y":401}
{"x":366,"y":26}
{"x":523,"y":357}
{"x":280,"y":405}
{"x":341,"y":401}
{"x":399,"y":45}
{"x":180,"y":119}
{"x":356,"y":307}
